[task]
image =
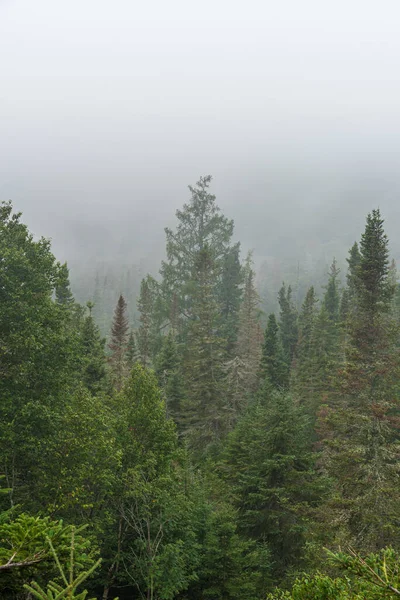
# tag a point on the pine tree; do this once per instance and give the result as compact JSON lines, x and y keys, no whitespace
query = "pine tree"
{"x":229,"y":298}
{"x":273,"y":369}
{"x":149,"y":331}
{"x":361,"y":440}
{"x":200,"y":225}
{"x":270,"y":469}
{"x":288,"y":324}
{"x":332,"y":293}
{"x":168,"y":369}
{"x":353,"y":262}
{"x":132,"y":354}
{"x":249,"y":342}
{"x":63,"y":288}
{"x":204,"y":355}
{"x":303,"y":376}
{"x":94,"y":371}
{"x":118,"y":343}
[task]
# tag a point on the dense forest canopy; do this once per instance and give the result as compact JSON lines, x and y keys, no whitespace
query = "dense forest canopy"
{"x":168,"y":438}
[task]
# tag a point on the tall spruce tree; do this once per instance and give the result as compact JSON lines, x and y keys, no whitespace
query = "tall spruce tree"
{"x":273,"y":369}
{"x":149,"y":330}
{"x":303,"y":376}
{"x":204,"y":355}
{"x":94,"y":370}
{"x":229,"y":298}
{"x":118,"y":343}
{"x":200,"y":225}
{"x":361,"y":441}
{"x":132,"y":354}
{"x":63,"y":287}
{"x":287,"y":324}
{"x":168,"y":369}
{"x":249,"y":334}
{"x":270,"y":469}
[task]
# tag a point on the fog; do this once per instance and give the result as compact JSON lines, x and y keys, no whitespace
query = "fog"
{"x":108,"y":110}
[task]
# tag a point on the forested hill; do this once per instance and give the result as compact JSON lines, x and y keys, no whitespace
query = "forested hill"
{"x":206,"y":449}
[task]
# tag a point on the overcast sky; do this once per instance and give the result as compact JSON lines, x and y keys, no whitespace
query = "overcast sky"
{"x":109,"y":109}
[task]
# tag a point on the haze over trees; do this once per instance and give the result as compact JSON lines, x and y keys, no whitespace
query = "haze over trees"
{"x":199,"y":448}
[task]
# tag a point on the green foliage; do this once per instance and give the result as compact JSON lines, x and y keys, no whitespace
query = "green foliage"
{"x":229,"y":299}
{"x":168,"y":368}
{"x":288,"y":324}
{"x":231,"y":567}
{"x":270,"y":470}
{"x":203,"y":359}
{"x":119,"y":343}
{"x":273,"y":369}
{"x":68,"y":589}
{"x":374,"y":577}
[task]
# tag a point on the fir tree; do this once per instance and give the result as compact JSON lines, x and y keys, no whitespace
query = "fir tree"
{"x":168,"y":369}
{"x":332,"y":293}
{"x":94,"y":370}
{"x":204,"y":354}
{"x":353,"y":262}
{"x":118,"y":343}
{"x":249,"y":342}
{"x":200,"y":225}
{"x":363,"y":452}
{"x":148,"y":331}
{"x":288,"y":324}
{"x":229,"y":298}
{"x":273,"y":369}
{"x":132,"y":354}
{"x":63,"y":287}
{"x":268,"y":464}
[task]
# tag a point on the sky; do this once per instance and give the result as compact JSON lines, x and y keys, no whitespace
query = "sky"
{"x":108,"y":110}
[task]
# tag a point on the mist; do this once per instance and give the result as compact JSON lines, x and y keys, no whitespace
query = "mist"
{"x":109,"y":110}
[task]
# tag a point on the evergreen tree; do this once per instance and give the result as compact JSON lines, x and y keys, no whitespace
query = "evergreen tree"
{"x":270,"y":469}
{"x":63,"y":288}
{"x":118,"y":343}
{"x":288,"y":324}
{"x":204,"y":355}
{"x":306,"y":353}
{"x":249,"y":342}
{"x":353,"y":262}
{"x":273,"y":369}
{"x":132,"y":354}
{"x":229,"y":298}
{"x":168,"y":369}
{"x":94,"y":370}
{"x":362,"y":452}
{"x":332,"y":294}
{"x":149,"y":331}
{"x":200,"y":225}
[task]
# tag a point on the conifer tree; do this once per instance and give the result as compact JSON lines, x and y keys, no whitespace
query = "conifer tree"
{"x":305,"y":361}
{"x":229,"y":298}
{"x":273,"y":369}
{"x":332,"y":293}
{"x":249,"y":342}
{"x":168,"y":369}
{"x":132,"y":355}
{"x":200,"y":225}
{"x":63,"y":288}
{"x":204,"y":355}
{"x":361,"y":440}
{"x":94,"y":371}
{"x":118,"y":343}
{"x":268,"y":464}
{"x":148,"y":331}
{"x":353,"y":262}
{"x":288,"y":324}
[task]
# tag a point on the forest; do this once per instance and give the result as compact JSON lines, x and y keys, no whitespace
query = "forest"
{"x":203,"y":449}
